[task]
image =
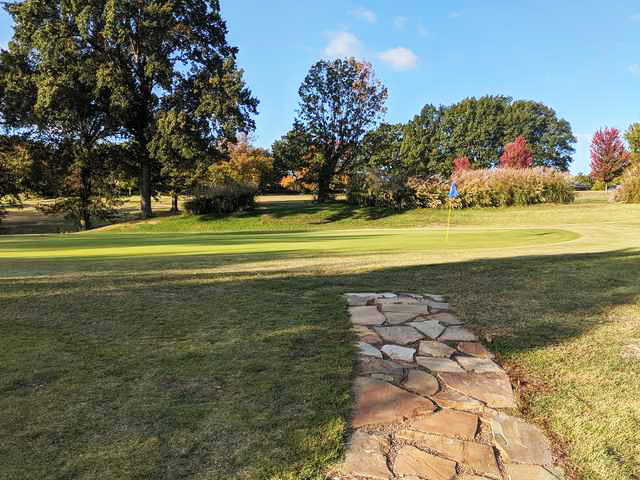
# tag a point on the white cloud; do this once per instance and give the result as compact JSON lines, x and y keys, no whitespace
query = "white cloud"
{"x":343,"y":44}
{"x":635,"y":69}
{"x":400,"y":22}
{"x":400,"y":58}
{"x":456,"y":13}
{"x":635,"y":17}
{"x":364,"y":14}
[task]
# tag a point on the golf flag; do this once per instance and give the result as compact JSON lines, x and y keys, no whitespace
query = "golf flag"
{"x":453,"y":191}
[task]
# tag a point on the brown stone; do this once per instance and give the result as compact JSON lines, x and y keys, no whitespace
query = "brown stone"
{"x":366,"y":335}
{"x":406,"y":308}
{"x":399,"y":335}
{"x":452,"y":399}
{"x":455,"y":334}
{"x":478,"y":365}
{"x":366,"y":316}
{"x":395,"y":318}
{"x":366,"y":457}
{"x":518,"y":441}
{"x":371,"y":366}
{"x":416,"y":464}
{"x":438,"y":364}
{"x":435,"y":349}
{"x":421,"y":382}
{"x":360,"y":299}
{"x":446,"y":318}
{"x":474,"y":455}
{"x":475,"y":349}
{"x":381,"y":403}
{"x":449,"y":423}
{"x":528,"y":472}
{"x":494,"y":389}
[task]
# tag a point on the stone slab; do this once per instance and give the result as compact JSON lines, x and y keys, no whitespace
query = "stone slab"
{"x":439,"y":364}
{"x":406,"y":308}
{"x":395,"y":318}
{"x":404,"y":354}
{"x":438,"y":306}
{"x":434,"y":297}
{"x":412,"y":463}
{"x":452,"y":399}
{"x":446,"y":318}
{"x":477,"y":456}
{"x":458,"y":334}
{"x":528,"y":472}
{"x":384,"y":368}
{"x":366,"y":456}
{"x":430,"y":328}
{"x":400,"y":335}
{"x":368,"y":350}
{"x":475,"y":349}
{"x":366,"y":315}
{"x":366,"y":335}
{"x":494,"y":389}
{"x":518,"y":441}
{"x":381,"y":403}
{"x":478,"y":365}
{"x":421,"y":383}
{"x":435,"y":349}
{"x":447,"y":422}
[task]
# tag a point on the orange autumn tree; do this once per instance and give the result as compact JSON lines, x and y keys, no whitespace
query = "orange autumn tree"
{"x":517,"y":154}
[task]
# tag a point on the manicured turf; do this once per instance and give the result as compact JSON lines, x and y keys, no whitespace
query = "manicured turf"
{"x":228,"y":355}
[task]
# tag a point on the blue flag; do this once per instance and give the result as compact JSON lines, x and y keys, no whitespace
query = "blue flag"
{"x":453,"y":192}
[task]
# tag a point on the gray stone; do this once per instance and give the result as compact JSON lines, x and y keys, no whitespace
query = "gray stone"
{"x":399,"y":335}
{"x":412,"y":463}
{"x":438,"y":306}
{"x":494,"y":389}
{"x":518,"y":441}
{"x":478,"y":365}
{"x":430,"y":328}
{"x":447,"y":422}
{"x":528,"y":472}
{"x":366,"y":315}
{"x":366,"y":456}
{"x":360,"y":299}
{"x":436,"y":349}
{"x":389,"y":295}
{"x":395,"y":318}
{"x":421,"y":382}
{"x":406,"y":308}
{"x":387,"y":368}
{"x":446,"y":318}
{"x":458,"y":334}
{"x":475,"y":349}
{"x":368,"y":350}
{"x":394,"y":352}
{"x":435,"y":298}
{"x":439,"y":364}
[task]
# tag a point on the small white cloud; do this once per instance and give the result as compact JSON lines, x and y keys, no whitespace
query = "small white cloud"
{"x":635,"y":69}
{"x":400,"y":23}
{"x":364,"y":14}
{"x":343,"y":44}
{"x":456,"y":13}
{"x":400,"y":58}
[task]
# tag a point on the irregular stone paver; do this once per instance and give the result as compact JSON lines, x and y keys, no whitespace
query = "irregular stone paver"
{"x":421,"y":382}
{"x":366,"y":457}
{"x":528,"y":472}
{"x":401,"y":335}
{"x":366,"y":316}
{"x":439,"y":364}
{"x":430,"y":328}
{"x":458,"y":334}
{"x":437,"y":423}
{"x":404,"y":354}
{"x":494,"y":389}
{"x":518,"y":441}
{"x":369,"y":351}
{"x":475,"y":455}
{"x":435,"y":298}
{"x":384,"y":368}
{"x":475,"y":349}
{"x":436,"y":349}
{"x":416,"y":464}
{"x":478,"y":365}
{"x":407,"y":308}
{"x":395,"y":318}
{"x":380,"y":403}
{"x":446,"y":318}
{"x":447,"y":422}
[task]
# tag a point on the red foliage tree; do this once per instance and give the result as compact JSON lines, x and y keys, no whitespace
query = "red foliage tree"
{"x":608,"y":155}
{"x":461,"y":163}
{"x":517,"y":154}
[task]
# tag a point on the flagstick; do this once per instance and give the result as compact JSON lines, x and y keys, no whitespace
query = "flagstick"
{"x":449,"y":220}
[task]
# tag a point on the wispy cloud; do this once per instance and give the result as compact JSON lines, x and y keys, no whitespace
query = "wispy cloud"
{"x":400,"y":58}
{"x":423,"y":31}
{"x":343,"y":44}
{"x":635,"y":69}
{"x":455,"y":13}
{"x":635,"y":17}
{"x":400,"y":23}
{"x":362,"y":13}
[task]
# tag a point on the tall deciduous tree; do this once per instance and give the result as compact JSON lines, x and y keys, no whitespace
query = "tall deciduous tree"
{"x":517,"y":154}
{"x":608,"y":155}
{"x":340,"y":101}
{"x":633,"y":137}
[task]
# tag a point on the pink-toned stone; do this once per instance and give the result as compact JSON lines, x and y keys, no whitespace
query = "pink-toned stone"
{"x":478,"y":365}
{"x":399,"y":335}
{"x":475,"y":349}
{"x":366,"y":335}
{"x":435,"y":349}
{"x":395,"y":318}
{"x":494,"y":389}
{"x":366,"y":457}
{"x":439,"y":364}
{"x":477,"y":456}
{"x":421,"y":382}
{"x":381,"y":403}
{"x":452,"y":399}
{"x":528,"y":472}
{"x":412,"y":463}
{"x":366,"y":316}
{"x":384,"y":368}
{"x":406,"y":308}
{"x":518,"y":441}
{"x":450,"y":423}
{"x":455,"y":334}
{"x":360,"y":299}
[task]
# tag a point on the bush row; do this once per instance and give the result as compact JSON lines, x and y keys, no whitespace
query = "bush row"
{"x":477,"y":188}
{"x":222,"y":200}
{"x":629,"y":190}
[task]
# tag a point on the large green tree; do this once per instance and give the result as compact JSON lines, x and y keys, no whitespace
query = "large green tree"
{"x":340,"y":101}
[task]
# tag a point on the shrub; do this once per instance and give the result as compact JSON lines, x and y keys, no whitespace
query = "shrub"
{"x":629,"y":190}
{"x":430,"y":192}
{"x":222,"y":199}
{"x":373,"y":188}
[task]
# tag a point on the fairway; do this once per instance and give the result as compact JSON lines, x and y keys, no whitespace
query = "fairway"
{"x":211,"y":354}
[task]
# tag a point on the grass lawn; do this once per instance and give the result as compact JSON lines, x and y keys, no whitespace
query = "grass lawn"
{"x":203,"y":348}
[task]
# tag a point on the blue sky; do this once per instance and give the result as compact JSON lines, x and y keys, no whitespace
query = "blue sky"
{"x":580,"y":57}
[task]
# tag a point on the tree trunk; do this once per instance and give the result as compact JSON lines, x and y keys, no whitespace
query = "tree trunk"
{"x":324,"y":182}
{"x":145,"y":184}
{"x":85,"y":198}
{"x":174,"y":203}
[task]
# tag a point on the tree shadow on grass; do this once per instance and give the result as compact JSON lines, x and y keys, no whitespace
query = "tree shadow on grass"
{"x":242,"y":374}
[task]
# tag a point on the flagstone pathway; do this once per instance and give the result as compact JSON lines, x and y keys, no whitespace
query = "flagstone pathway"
{"x":429,"y":399}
